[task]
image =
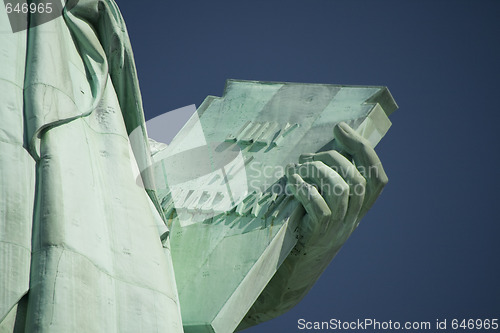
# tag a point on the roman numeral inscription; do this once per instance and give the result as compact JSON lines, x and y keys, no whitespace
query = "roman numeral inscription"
{"x":261,"y":133}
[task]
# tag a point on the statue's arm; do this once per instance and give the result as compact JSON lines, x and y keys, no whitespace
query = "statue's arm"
{"x":336,"y":193}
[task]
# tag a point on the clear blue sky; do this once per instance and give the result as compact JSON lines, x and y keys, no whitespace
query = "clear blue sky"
{"x":430,"y":247}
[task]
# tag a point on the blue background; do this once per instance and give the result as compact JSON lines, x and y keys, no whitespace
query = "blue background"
{"x":429,"y":248}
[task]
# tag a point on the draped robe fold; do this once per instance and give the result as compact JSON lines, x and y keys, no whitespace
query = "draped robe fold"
{"x":80,"y":246}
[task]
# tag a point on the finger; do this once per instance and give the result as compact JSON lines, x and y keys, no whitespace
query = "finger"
{"x":351,"y":175}
{"x":331,"y":185}
{"x":367,"y":162}
{"x":309,"y":197}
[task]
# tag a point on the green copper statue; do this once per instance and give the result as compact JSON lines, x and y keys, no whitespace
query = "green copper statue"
{"x":94,"y":222}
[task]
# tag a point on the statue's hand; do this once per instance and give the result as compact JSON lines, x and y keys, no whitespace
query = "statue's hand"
{"x":335,"y":192}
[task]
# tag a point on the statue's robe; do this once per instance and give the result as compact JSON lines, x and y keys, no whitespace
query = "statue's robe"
{"x":80,"y":237}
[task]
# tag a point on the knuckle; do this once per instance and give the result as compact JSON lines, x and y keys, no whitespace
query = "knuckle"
{"x":331,"y":154}
{"x":359,"y":180}
{"x":341,"y":189}
{"x":360,"y":145}
{"x":382,"y":180}
{"x":344,"y":186}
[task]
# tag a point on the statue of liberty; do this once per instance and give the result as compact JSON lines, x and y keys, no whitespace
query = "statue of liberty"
{"x":82,"y":247}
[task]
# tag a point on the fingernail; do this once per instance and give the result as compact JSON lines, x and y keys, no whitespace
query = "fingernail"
{"x":344,"y":127}
{"x":306,"y":158}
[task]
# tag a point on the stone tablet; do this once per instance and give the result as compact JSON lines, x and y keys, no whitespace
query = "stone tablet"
{"x":223,"y":190}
